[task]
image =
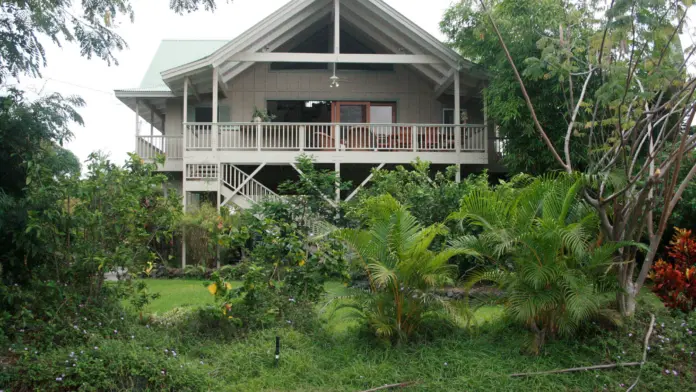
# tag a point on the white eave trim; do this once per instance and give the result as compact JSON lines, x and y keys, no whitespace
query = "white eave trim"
{"x":275,"y":57}
{"x":143,"y":94}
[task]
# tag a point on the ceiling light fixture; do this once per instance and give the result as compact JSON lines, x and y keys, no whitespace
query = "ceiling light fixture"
{"x":334,"y":79}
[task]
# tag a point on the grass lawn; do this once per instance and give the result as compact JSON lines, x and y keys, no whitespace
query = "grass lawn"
{"x":337,"y":357}
{"x":177,"y":293}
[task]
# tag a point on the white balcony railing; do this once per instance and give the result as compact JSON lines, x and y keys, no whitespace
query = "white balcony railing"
{"x":339,"y":137}
{"x":149,"y":147}
{"x":201,"y":172}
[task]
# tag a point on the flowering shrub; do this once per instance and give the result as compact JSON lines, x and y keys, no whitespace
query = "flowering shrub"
{"x":675,"y":280}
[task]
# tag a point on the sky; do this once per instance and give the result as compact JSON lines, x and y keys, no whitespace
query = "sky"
{"x":110,"y":125}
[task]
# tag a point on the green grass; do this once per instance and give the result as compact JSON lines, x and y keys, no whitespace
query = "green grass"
{"x":177,"y":293}
{"x":337,"y":356}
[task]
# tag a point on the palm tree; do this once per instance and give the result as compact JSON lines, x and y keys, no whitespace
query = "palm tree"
{"x":403,"y":271}
{"x":541,"y":246}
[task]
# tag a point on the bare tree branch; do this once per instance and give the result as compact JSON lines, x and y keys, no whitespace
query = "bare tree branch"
{"x":569,"y":133}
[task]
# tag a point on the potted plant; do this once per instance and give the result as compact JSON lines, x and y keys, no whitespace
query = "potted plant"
{"x":262,"y":115}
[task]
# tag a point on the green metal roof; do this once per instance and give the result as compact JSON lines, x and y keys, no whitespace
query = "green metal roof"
{"x":173,"y":53}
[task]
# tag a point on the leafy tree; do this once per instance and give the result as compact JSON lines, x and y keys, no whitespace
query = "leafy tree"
{"x":430,"y":200}
{"x":635,"y":127}
{"x":312,"y":195}
{"x":403,"y":272}
{"x":285,"y":270}
{"x":72,"y":231}
{"x":30,"y":133}
{"x":25,"y":23}
{"x":684,"y":213}
{"x":541,"y":248}
{"x":523,"y":24}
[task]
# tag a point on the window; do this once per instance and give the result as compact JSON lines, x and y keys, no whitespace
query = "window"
{"x":321,"y":42}
{"x":204,"y":114}
{"x":382,"y":114}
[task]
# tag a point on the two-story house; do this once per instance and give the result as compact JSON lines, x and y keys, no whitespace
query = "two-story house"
{"x":351,"y":82}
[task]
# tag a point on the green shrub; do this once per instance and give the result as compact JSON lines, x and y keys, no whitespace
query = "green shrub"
{"x":197,"y":271}
{"x":541,"y":247}
{"x":234,"y":271}
{"x":205,"y":321}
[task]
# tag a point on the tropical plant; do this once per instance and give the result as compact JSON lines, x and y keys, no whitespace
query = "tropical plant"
{"x":542,"y":248}
{"x":262,"y":115}
{"x":403,"y":272}
{"x":675,"y":280}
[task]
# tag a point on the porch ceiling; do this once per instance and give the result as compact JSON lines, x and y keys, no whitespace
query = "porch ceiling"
{"x":147,"y":106}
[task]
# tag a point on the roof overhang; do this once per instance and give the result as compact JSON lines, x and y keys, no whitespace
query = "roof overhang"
{"x":151,"y":105}
{"x":135,"y":93}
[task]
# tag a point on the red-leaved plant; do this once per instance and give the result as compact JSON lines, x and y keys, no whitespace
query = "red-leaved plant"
{"x":675,"y":280}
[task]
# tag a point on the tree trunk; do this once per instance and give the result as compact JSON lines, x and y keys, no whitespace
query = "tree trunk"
{"x":626,"y":300}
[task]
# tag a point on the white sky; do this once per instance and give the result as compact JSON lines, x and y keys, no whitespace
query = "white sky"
{"x":110,"y":125}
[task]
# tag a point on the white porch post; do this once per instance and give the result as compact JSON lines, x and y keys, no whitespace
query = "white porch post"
{"x":184,"y":119}
{"x":337,"y":26}
{"x":137,"y":125}
{"x":338,"y":181}
{"x":214,"y":130}
{"x":183,"y":180}
{"x":414,"y":138}
{"x":219,"y":195}
{"x":152,"y":127}
{"x":485,"y":123}
{"x":457,"y":122}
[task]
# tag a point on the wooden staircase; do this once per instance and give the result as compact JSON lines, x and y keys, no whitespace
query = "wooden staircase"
{"x":242,"y":190}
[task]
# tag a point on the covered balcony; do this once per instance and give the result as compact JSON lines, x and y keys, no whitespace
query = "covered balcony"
{"x":250,"y":142}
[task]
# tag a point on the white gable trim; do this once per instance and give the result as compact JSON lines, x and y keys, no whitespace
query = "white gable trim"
{"x":274,"y":57}
{"x":435,"y":58}
{"x":266,"y":26}
{"x":413,"y":29}
{"x":279,"y":37}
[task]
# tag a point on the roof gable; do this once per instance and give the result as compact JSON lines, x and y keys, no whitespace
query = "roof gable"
{"x":374,"y":17}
